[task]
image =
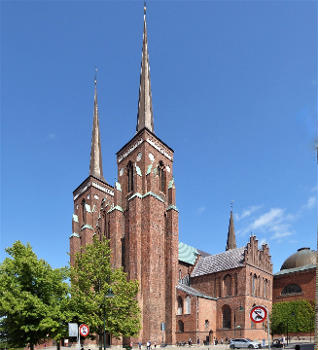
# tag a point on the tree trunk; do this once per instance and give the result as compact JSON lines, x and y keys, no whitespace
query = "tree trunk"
{"x":31,"y":346}
{"x":58,"y":345}
{"x":100,"y":338}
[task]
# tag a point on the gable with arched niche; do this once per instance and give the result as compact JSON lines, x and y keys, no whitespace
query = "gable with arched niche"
{"x":220,"y":284}
{"x":259,"y":286}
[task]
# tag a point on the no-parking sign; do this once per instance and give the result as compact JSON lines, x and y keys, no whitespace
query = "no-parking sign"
{"x":84,"y":330}
{"x":258,"y":314}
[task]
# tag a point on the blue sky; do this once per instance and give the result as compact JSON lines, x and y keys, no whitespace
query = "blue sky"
{"x":234,"y":87}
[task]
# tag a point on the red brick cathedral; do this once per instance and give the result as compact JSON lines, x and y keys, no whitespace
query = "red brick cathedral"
{"x":184,"y":292}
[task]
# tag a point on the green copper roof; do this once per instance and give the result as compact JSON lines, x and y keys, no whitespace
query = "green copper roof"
{"x":187,"y":253}
{"x":295,"y":269}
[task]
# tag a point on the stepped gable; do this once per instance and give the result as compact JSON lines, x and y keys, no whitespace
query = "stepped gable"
{"x":227,"y":260}
{"x":258,"y":257}
{"x":191,"y":291}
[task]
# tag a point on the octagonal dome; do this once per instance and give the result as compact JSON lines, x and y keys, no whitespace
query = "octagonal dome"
{"x":303,"y":257}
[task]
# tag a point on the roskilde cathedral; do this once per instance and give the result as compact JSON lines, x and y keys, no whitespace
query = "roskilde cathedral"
{"x":184,"y":292}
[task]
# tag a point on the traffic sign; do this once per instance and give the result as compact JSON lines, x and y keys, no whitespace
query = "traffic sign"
{"x":84,"y":330}
{"x":73,"y":330}
{"x":258,"y":314}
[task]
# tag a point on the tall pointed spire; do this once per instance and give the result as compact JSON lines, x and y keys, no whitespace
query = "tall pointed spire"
{"x":95,"y":166}
{"x":231,"y":241}
{"x":145,"y":115}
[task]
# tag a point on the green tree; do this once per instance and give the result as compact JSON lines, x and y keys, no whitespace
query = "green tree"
{"x":33,"y":298}
{"x":297,"y":315}
{"x":91,"y":277}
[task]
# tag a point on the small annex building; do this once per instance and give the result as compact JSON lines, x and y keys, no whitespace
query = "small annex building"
{"x":215,"y":293}
{"x":297,"y":277}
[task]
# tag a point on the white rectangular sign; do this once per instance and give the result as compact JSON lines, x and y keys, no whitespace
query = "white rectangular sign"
{"x":72,"y":330}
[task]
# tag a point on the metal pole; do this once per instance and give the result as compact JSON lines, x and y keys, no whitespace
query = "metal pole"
{"x":104,"y":332}
{"x":316,"y":294}
{"x":79,"y":338}
{"x":287,"y":332}
{"x":268,"y":339}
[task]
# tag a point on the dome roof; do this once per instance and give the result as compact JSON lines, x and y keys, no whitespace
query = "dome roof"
{"x":303,"y":257}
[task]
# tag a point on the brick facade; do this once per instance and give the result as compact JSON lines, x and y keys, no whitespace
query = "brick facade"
{"x":238,"y":290}
{"x":140,"y":218}
{"x":305,"y":279}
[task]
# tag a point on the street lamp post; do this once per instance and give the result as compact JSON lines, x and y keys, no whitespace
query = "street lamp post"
{"x":292,"y":314}
{"x":109,"y":294}
{"x":241,"y":308}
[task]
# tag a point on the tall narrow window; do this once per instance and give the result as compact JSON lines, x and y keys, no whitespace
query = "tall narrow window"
{"x":228,"y":285}
{"x":180,"y":306}
{"x":108,"y":229}
{"x":226,"y":313}
{"x":83,"y":211}
{"x":130,"y":176}
{"x":254,"y":279}
{"x":162,"y":177}
{"x":188,"y":305}
{"x":180,"y":326}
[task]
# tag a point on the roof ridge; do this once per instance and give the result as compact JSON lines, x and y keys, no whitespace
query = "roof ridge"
{"x":226,"y":252}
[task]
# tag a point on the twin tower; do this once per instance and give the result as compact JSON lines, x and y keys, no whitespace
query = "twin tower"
{"x":138,"y":215}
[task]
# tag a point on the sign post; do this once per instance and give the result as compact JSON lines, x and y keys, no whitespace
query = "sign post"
{"x":258,"y":314}
{"x":163,"y":329}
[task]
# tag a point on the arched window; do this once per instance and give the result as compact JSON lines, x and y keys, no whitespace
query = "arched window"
{"x":130,"y":176}
{"x":180,"y":306}
{"x":108,"y":229}
{"x":228,"y":285}
{"x":235,"y":286}
{"x":226,"y":312}
{"x":162,"y":177}
{"x":180,"y":275}
{"x":180,"y":326}
{"x":254,"y":280}
{"x":187,"y":305}
{"x":206,"y":324}
{"x":291,"y":289}
{"x":265,"y":288}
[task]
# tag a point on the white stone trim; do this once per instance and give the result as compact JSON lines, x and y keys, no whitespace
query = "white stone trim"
{"x":99,"y":187}
{"x":131,"y":149}
{"x":158,"y":148}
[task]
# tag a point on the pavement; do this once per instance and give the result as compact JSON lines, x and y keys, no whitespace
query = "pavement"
{"x":171,"y":347}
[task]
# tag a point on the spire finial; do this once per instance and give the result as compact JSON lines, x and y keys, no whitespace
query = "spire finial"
{"x":95,"y":166}
{"x":95,"y":76}
{"x":231,"y":241}
{"x":145,"y":115}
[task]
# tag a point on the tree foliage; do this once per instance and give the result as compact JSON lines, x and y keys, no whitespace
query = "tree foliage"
{"x":91,"y":278}
{"x":298,"y":316}
{"x":33,"y":298}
